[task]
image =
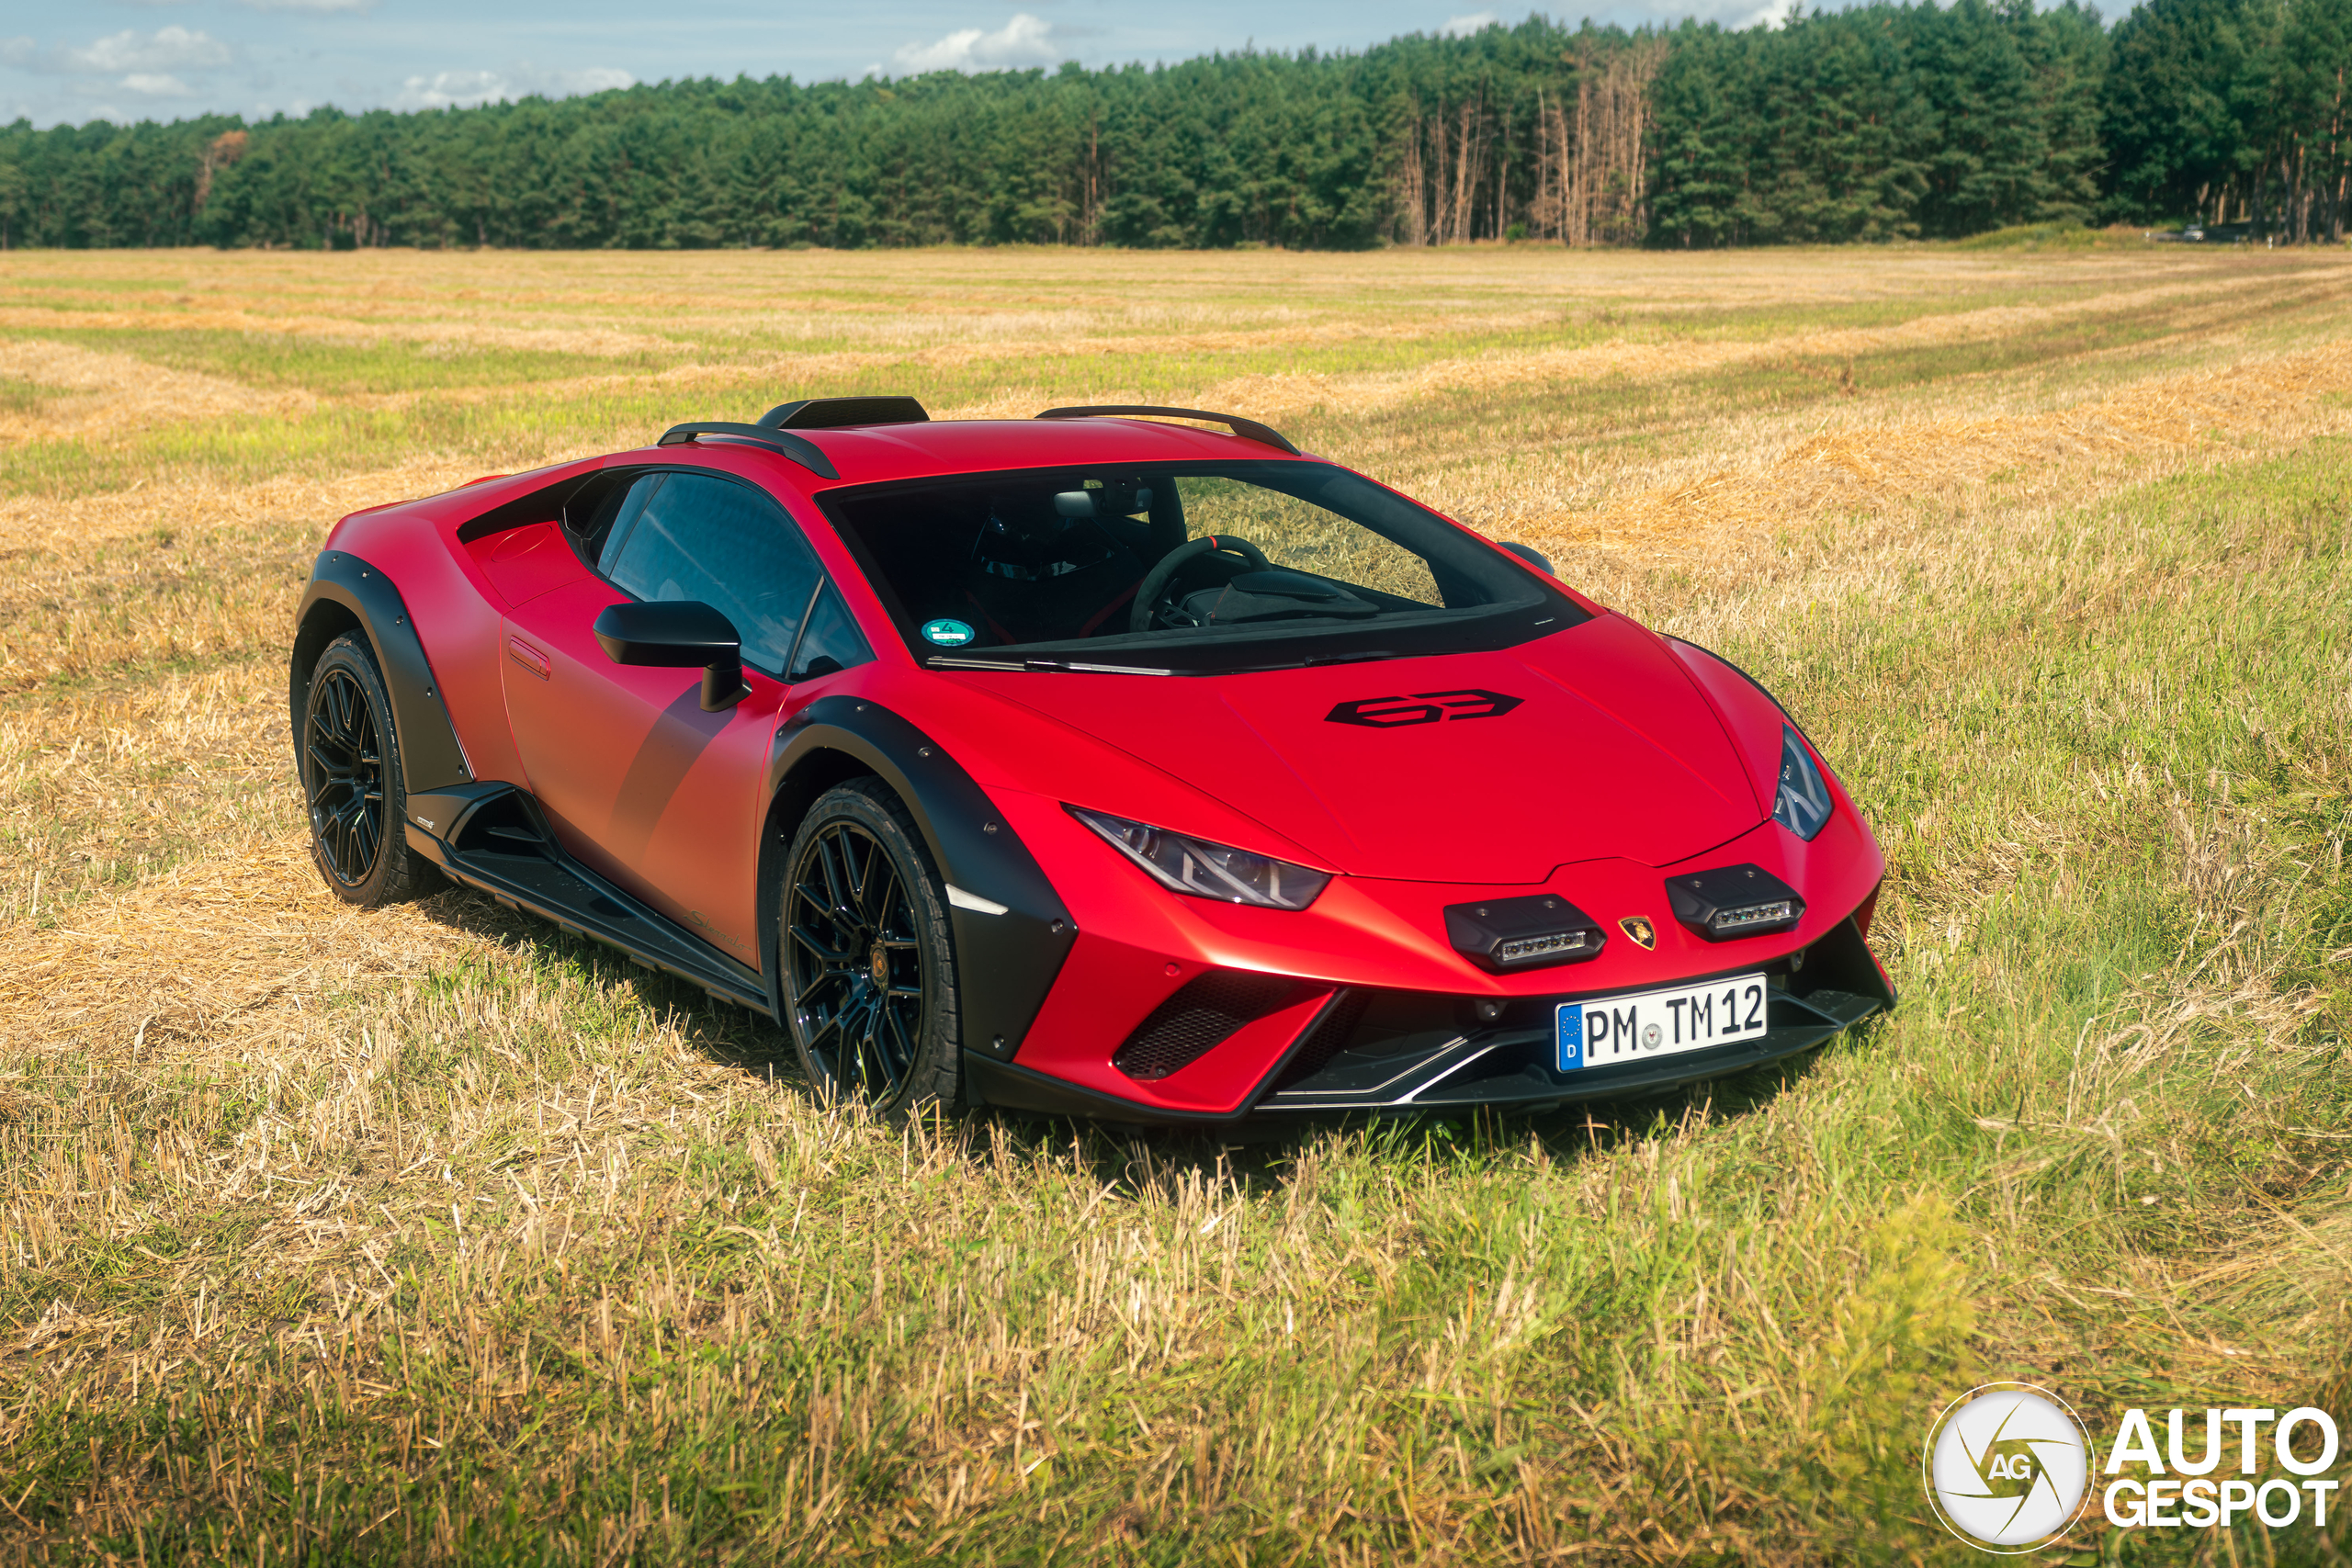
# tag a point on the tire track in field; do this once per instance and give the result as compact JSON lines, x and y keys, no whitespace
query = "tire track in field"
{"x":2152,"y":425}
{"x":1275,"y":395}
{"x":86,"y":393}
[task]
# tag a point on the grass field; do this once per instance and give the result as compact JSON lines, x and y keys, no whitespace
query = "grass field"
{"x":436,"y":1235}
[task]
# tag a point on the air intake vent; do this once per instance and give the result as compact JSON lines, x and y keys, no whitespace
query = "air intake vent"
{"x":831,"y":413}
{"x":1203,"y":1012}
{"x":1328,"y":1037}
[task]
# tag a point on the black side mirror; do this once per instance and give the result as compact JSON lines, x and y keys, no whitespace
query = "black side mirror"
{"x":678,"y":636}
{"x":1528,"y":554}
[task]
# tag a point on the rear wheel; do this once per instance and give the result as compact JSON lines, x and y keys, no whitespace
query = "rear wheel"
{"x":869,"y":973}
{"x":351,"y":781}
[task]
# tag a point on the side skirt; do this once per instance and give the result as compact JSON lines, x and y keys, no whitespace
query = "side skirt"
{"x":491,"y":836}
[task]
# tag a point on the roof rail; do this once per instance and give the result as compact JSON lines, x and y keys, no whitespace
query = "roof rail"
{"x":800,"y":448}
{"x":1248,"y":429}
{"x":825,"y":413}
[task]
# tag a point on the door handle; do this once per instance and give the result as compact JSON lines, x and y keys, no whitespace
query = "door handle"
{"x":529,"y":658}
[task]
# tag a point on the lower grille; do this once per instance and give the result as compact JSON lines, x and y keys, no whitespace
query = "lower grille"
{"x":1202,"y":1013}
{"x":1329,"y":1038}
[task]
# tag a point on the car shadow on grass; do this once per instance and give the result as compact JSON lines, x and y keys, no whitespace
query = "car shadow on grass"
{"x":1256,"y":1156}
{"x":728,"y":1035}
{"x":1262,"y":1157}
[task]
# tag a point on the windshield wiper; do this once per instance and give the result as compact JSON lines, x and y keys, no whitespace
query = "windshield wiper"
{"x":1369,"y":656}
{"x":1095,"y":667}
{"x":1075,"y":666}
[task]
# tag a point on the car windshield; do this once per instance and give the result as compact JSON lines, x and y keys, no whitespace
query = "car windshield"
{"x":1182,"y":569}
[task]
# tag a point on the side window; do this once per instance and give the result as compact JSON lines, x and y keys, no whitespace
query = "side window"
{"x":830,"y":641}
{"x":695,"y":537}
{"x":601,"y":513}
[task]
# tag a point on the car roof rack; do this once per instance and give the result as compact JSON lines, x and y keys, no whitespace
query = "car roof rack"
{"x":828,"y":413}
{"x":800,"y":448}
{"x":1249,"y":429}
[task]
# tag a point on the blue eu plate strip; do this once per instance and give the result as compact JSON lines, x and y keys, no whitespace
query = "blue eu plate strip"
{"x":1571,"y":1019}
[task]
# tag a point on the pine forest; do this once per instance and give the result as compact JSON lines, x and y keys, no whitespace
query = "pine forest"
{"x":1880,"y":122}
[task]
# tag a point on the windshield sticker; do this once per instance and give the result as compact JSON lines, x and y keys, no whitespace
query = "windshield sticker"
{"x":946,"y":634}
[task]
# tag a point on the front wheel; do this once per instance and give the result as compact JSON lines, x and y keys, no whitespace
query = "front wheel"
{"x":869,"y":973}
{"x":351,"y":782}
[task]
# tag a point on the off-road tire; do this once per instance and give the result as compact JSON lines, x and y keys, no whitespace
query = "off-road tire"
{"x":861,"y":896}
{"x":352,"y":789}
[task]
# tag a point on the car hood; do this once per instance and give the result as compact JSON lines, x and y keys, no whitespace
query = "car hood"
{"x":1470,"y":767}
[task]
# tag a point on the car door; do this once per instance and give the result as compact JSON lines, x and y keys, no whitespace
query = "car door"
{"x":636,"y":780}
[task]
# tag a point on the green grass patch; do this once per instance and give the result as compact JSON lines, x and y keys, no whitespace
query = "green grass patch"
{"x":359,"y":363}
{"x":584,"y":1287}
{"x":2053,"y":237}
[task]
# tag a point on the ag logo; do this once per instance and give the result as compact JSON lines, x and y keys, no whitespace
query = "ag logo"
{"x":1639,"y":928}
{"x":2006,"y":1467}
{"x":1421,"y":707}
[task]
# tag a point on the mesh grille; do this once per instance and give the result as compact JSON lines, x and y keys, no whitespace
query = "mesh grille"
{"x":1200,"y":1014}
{"x":1330,"y":1037}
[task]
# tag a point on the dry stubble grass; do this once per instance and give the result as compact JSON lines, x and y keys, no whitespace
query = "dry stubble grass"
{"x":430,"y":1234}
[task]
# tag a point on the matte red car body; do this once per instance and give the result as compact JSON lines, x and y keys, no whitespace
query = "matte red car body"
{"x":1628,"y":757}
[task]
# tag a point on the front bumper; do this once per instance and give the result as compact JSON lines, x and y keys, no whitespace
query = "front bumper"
{"x":1360,"y":1049}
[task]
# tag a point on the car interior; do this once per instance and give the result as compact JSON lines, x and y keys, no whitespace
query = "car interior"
{"x":1057,"y":556}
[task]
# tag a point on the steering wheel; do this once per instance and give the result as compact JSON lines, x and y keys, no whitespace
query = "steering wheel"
{"x":1154,"y":581}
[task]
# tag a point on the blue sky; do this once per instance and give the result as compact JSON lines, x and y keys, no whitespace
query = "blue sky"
{"x":129,"y":60}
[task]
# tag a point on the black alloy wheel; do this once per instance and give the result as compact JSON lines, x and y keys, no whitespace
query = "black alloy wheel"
{"x":868,"y":966}
{"x":346,"y":767}
{"x":351,"y":781}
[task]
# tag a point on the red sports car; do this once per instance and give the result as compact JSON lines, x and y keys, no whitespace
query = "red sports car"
{"x":1090,"y":763}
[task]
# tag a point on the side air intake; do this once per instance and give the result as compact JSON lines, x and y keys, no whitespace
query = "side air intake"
{"x":1200,"y":1015}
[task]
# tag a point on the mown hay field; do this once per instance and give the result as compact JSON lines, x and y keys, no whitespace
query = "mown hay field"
{"x":435,"y":1234}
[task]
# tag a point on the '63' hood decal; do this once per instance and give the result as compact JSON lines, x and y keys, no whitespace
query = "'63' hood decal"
{"x":1422,"y":707}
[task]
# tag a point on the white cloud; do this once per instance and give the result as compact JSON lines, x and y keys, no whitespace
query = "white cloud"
{"x":1730,"y":13}
{"x":595,"y":79}
{"x":451,"y":89}
{"x":464,"y":89}
{"x":1024,"y":40}
{"x":156,"y":85}
{"x":166,"y":49}
{"x":16,"y":51}
{"x":1463,"y":27}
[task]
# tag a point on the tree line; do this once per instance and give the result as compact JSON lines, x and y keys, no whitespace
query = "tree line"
{"x":1886,"y":120}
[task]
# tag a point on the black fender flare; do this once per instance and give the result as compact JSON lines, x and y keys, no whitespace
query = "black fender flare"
{"x":431,"y":756}
{"x":1012,"y":932}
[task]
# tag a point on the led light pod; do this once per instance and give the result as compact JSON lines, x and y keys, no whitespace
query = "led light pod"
{"x":1530,"y":932}
{"x":1732,"y":901}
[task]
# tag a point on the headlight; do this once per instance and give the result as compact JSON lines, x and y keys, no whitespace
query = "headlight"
{"x":1205,"y":869}
{"x":1802,"y":804}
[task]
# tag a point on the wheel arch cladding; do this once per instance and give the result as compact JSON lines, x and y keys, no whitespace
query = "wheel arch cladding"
{"x":1005,"y":962}
{"x":348,"y":593}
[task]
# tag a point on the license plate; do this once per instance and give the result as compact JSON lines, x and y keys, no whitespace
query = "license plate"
{"x":1660,"y":1023}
